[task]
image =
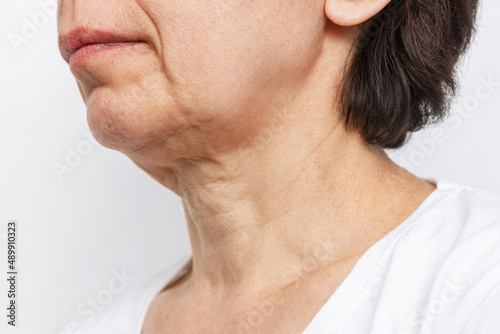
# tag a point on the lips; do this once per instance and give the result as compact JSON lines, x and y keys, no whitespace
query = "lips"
{"x":80,"y":38}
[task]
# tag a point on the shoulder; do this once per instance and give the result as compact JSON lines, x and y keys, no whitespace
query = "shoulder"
{"x":472,"y":203}
{"x":468,"y":225}
{"x":125,"y":316}
{"x":441,"y":267}
{"x":461,"y":229}
{"x":460,"y":240}
{"x":461,"y":214}
{"x":471,"y":216}
{"x":456,"y":222}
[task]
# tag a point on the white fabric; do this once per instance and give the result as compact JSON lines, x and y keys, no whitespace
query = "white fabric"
{"x":438,"y":272}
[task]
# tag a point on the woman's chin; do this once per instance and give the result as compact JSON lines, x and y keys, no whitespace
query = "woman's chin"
{"x":115,"y":126}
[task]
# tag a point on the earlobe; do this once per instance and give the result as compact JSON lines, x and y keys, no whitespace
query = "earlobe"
{"x":353,"y":12}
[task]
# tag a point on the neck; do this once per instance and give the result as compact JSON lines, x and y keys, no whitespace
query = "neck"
{"x":311,"y":197}
{"x":302,"y":194}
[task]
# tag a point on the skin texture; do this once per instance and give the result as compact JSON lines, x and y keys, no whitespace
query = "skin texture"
{"x":232,"y":105}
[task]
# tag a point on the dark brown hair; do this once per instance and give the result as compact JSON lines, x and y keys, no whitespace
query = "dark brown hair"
{"x":402,"y":71}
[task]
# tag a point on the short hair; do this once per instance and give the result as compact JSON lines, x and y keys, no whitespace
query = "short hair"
{"x":401,"y":75}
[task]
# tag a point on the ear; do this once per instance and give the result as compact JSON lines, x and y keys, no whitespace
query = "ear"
{"x":353,"y":12}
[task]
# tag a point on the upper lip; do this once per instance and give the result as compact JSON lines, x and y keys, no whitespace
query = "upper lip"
{"x":80,"y":37}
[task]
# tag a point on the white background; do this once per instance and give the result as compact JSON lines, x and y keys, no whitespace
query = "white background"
{"x":106,"y":214}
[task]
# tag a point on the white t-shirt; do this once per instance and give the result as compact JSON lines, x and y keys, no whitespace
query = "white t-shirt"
{"x":438,"y":272}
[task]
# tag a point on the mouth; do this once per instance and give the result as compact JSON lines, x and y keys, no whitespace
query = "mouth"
{"x":81,"y":44}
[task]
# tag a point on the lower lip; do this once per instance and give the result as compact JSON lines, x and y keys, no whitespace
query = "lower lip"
{"x":94,"y":51}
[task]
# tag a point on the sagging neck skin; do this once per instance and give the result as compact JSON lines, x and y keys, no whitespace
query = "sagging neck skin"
{"x":314,"y":196}
{"x":302,"y":195}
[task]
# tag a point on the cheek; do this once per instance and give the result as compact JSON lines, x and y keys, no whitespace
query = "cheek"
{"x":221,"y":54}
{"x":221,"y":66}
